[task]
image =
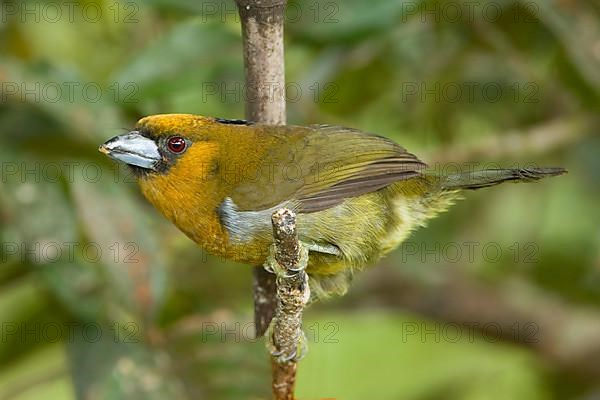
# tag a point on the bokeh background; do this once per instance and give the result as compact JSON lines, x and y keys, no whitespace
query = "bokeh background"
{"x":101,"y":298}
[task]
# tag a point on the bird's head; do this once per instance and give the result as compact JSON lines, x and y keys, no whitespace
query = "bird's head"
{"x":160,"y":143}
{"x":181,"y":161}
{"x":177,"y":159}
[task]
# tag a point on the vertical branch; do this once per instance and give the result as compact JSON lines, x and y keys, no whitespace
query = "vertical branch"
{"x":265,"y":299}
{"x":262,"y":33}
{"x":287,"y":338}
{"x":283,"y":297}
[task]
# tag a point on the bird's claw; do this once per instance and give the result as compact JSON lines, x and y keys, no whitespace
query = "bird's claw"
{"x":271,"y":265}
{"x":297,"y":354}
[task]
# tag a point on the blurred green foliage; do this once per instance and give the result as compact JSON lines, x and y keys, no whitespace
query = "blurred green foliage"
{"x":102,"y":299}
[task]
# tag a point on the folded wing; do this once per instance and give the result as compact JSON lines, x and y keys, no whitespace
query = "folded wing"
{"x":317,"y":167}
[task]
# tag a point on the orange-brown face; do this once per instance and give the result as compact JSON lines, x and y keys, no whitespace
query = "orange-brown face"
{"x":158,"y":142}
{"x":176,"y":158}
{"x":173,"y":155}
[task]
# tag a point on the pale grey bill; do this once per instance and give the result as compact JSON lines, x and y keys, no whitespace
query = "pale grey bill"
{"x":133,"y":149}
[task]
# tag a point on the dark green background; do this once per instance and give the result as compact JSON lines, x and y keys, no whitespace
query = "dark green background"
{"x":153,"y":317}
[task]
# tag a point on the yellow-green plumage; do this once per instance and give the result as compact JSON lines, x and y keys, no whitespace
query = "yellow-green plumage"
{"x":357,"y":195}
{"x":368,"y":227}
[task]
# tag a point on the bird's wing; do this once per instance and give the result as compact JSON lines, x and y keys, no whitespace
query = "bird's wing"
{"x":318,"y":167}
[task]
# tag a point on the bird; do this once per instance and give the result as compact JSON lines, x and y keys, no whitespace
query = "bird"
{"x":357,"y":195}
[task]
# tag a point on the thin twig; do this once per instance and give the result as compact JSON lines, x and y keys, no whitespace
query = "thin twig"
{"x":566,"y":335}
{"x":539,"y":139}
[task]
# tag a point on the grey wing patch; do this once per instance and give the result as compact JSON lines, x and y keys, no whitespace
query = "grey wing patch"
{"x":242,"y":225}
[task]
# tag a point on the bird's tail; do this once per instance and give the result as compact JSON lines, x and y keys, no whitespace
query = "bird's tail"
{"x":491,"y":177}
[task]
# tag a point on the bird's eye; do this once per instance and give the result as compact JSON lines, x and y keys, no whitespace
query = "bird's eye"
{"x":176,"y":144}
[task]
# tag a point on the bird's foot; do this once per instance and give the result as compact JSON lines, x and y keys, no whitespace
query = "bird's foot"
{"x":271,"y":265}
{"x":286,"y":341}
{"x":296,"y":354}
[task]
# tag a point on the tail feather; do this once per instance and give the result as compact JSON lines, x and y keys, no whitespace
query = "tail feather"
{"x":491,"y":177}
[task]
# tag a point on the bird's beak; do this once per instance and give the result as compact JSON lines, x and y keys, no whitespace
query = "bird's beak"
{"x":133,"y":149}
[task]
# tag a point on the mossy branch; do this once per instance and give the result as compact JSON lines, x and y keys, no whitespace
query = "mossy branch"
{"x":288,"y":261}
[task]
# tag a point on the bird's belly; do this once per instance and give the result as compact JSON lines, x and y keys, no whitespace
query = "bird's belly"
{"x":368,"y":227}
